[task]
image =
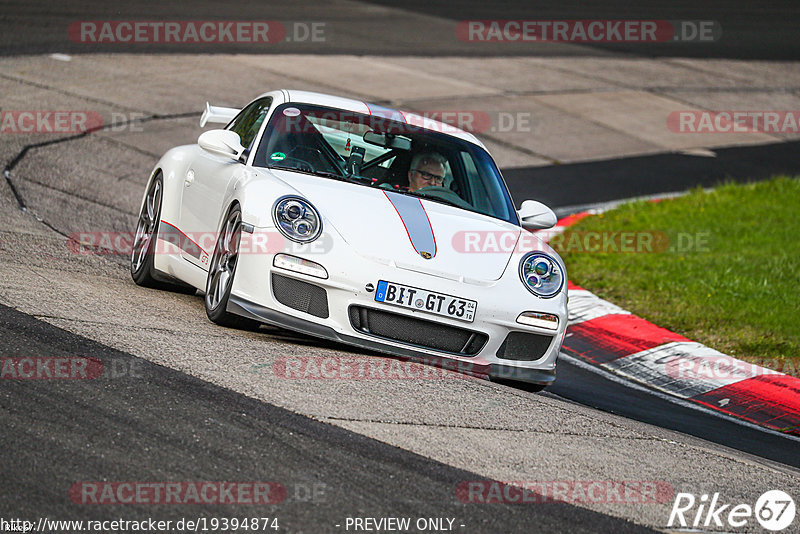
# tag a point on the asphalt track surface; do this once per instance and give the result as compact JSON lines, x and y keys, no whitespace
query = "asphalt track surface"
{"x":163,"y":424}
{"x":751,"y":30}
{"x":579,"y":184}
{"x":153,"y":423}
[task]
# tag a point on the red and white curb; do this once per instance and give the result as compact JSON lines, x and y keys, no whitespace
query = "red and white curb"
{"x":609,"y":337}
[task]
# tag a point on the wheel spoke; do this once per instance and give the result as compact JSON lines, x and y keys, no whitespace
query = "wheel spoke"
{"x":226,"y":237}
{"x":212,"y":290}
{"x":156,"y":201}
{"x":152,"y":203}
{"x":231,"y":233}
{"x":141,"y":251}
{"x":237,"y":236}
{"x":136,"y":260}
{"x":222,"y":284}
{"x":149,"y":210}
{"x":139,"y":235}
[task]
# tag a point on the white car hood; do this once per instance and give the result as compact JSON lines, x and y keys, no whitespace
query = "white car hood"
{"x":401,"y":230}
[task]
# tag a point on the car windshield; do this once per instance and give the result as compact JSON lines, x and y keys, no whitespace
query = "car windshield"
{"x":378,"y":151}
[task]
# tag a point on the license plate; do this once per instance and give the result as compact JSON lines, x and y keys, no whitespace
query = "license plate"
{"x":426,"y":301}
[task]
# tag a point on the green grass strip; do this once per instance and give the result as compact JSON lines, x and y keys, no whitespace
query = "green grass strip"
{"x":721,"y":267}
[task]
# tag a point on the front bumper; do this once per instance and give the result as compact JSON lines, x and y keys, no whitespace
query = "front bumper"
{"x":350,"y":285}
{"x":496,"y":371}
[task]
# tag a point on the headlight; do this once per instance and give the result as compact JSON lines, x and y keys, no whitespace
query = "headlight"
{"x":541,"y":274}
{"x":297,"y":219}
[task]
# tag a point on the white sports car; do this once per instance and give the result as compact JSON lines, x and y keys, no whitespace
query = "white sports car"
{"x":361,"y":224}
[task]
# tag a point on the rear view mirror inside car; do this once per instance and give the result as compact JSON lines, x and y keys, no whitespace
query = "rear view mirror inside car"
{"x":387,"y":140}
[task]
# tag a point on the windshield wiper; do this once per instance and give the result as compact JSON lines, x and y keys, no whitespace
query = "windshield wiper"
{"x":324,"y":174}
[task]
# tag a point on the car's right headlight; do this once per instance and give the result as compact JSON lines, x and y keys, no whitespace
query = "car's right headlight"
{"x":541,"y":274}
{"x":297,"y":219}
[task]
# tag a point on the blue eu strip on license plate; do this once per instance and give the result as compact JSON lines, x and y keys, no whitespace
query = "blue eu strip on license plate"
{"x":380,"y":293}
{"x":426,"y":301}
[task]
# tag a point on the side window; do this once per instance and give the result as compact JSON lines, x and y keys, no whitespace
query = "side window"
{"x":249,"y":120}
{"x":475,"y":186}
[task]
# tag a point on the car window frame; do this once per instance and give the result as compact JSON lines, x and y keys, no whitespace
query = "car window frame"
{"x":448,"y":142}
{"x":250,"y":108}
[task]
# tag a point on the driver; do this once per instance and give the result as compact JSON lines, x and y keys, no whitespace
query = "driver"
{"x":427,"y":168}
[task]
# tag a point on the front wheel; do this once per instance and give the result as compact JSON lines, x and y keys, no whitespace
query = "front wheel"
{"x":221,"y":273}
{"x":524,"y":386}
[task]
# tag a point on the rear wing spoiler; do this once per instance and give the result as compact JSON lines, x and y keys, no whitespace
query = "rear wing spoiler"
{"x":216,"y":114}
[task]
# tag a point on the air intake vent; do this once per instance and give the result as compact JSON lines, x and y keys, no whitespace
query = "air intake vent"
{"x":300,"y":295}
{"x":417,"y":332}
{"x":524,"y":346}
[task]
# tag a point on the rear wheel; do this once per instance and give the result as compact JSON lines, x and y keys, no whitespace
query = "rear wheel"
{"x":143,"y":271}
{"x":221,"y":273}
{"x":144,"y":240}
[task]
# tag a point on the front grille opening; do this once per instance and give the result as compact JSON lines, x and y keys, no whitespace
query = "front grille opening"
{"x":524,"y":346}
{"x":300,"y":295}
{"x":417,"y":332}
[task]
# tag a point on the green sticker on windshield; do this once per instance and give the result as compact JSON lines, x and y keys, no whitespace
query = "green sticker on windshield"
{"x":277,"y":156}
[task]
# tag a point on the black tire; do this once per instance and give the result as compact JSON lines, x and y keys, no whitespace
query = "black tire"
{"x":524,"y":386}
{"x":221,"y":272}
{"x":144,"y":242}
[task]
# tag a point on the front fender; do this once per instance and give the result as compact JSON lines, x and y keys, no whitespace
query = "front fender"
{"x":172,"y":166}
{"x":256,"y":193}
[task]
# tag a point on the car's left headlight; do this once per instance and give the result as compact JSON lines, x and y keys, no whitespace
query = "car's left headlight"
{"x":541,"y":274}
{"x":297,"y":219}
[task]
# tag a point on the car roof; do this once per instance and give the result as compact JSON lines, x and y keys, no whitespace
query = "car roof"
{"x":358,"y":106}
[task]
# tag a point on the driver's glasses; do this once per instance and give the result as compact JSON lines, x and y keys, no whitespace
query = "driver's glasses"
{"x":435,"y":178}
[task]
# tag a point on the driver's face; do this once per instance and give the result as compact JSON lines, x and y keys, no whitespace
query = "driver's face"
{"x":425,"y":175}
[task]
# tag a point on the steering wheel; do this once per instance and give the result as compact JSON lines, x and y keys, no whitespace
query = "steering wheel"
{"x":443,"y":193}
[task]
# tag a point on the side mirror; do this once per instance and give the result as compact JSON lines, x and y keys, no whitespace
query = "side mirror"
{"x":536,"y":216}
{"x":222,"y":142}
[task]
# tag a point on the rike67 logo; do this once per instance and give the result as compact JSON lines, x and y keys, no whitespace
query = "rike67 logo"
{"x":774,"y":511}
